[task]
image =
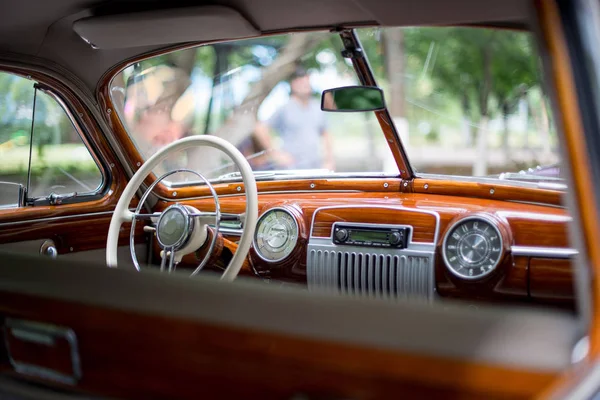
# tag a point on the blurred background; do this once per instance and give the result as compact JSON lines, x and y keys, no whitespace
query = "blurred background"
{"x":466,"y":101}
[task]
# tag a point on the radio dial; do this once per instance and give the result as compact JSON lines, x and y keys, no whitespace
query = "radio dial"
{"x":341,"y":235}
{"x":395,"y":238}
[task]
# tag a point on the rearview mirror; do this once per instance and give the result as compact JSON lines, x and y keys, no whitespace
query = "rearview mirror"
{"x":353,"y":99}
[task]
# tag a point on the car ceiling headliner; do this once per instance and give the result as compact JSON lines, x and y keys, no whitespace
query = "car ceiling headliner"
{"x":44,"y":28}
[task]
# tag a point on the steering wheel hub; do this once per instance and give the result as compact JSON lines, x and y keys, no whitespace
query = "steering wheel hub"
{"x":174,"y":227}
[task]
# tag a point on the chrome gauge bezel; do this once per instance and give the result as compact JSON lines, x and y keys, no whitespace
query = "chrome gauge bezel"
{"x":188,"y":227}
{"x":256,"y":231}
{"x":488,"y":220}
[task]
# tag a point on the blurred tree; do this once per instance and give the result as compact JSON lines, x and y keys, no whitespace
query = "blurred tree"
{"x":480,"y":68}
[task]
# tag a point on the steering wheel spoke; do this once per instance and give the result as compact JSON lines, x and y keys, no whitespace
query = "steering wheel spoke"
{"x":168,"y":260}
{"x":147,"y":217}
{"x":180,"y":229}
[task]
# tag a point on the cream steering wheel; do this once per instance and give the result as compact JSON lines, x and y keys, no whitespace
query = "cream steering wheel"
{"x":184,"y":226}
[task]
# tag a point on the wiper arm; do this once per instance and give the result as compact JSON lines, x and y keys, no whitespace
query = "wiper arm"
{"x":523,"y":176}
{"x":237,"y":174}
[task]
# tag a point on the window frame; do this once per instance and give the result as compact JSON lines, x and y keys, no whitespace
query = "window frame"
{"x":84,"y":135}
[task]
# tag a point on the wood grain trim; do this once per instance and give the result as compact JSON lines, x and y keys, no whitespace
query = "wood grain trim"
{"x":72,"y":235}
{"x":390,"y":185}
{"x":216,"y":260}
{"x":510,"y":284}
{"x":424,"y":224}
{"x":487,"y":191}
{"x":127,"y":358}
{"x":551,"y":280}
{"x":555,"y":233}
{"x":571,"y":125}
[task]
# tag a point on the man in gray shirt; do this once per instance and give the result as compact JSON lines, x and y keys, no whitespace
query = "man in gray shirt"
{"x":301,"y":125}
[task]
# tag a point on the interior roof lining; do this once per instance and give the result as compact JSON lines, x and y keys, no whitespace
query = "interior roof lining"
{"x":45,"y":29}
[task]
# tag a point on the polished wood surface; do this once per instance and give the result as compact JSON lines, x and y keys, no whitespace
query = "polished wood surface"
{"x":584,"y":199}
{"x":551,"y":280}
{"x":317,"y":185}
{"x":126,"y":354}
{"x":71,"y":235}
{"x":522,"y":225}
{"x":423,"y":224}
{"x":218,"y":260}
{"x":509,"y":283}
{"x":491,"y":191}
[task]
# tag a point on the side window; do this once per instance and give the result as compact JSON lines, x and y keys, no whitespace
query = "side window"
{"x":56,"y":161}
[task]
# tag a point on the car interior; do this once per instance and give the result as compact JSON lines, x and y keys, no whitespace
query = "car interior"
{"x":317,"y":199}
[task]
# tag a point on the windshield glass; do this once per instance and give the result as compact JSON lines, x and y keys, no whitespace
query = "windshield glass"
{"x":262,"y":95}
{"x":467,"y":101}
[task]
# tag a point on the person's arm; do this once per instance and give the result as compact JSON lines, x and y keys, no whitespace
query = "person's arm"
{"x":262,"y":133}
{"x":329,"y":160}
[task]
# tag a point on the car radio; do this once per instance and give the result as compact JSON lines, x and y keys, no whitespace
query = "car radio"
{"x":370,"y":236}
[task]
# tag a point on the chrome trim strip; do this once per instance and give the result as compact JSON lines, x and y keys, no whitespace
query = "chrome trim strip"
{"x":42,"y":334}
{"x":231,"y":231}
{"x":290,"y":177}
{"x":269,"y":192}
{"x":535,"y":216}
{"x":544,"y":252}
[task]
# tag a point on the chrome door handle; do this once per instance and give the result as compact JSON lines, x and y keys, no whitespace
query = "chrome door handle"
{"x":49,"y":249}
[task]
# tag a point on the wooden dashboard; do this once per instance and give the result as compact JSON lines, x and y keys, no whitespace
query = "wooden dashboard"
{"x":536,"y":266}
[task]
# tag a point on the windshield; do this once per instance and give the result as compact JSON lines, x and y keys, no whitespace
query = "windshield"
{"x":262,"y":95}
{"x":466,"y":102}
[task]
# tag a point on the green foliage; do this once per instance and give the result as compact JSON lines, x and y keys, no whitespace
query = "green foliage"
{"x":479,"y":68}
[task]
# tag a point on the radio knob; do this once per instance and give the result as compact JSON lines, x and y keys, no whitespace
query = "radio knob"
{"x":341,"y":235}
{"x":395,"y":238}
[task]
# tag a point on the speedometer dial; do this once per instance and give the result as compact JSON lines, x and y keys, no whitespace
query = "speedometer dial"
{"x":472,"y":248}
{"x":276,"y":235}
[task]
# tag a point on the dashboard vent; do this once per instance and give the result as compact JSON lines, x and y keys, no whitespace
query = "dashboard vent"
{"x":370,"y":274}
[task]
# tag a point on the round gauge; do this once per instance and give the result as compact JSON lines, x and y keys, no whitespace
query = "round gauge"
{"x":276,"y":235}
{"x":472,"y":247}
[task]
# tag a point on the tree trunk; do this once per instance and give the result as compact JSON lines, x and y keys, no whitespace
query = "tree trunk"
{"x":467,"y":128}
{"x":393,"y":44}
{"x":544,"y":126}
{"x":481,"y":158}
{"x":505,"y":132}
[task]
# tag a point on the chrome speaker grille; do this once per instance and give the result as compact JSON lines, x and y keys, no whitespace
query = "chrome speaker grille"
{"x":371,"y":274}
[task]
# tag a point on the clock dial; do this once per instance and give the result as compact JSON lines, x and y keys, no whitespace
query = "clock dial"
{"x":473,"y":248}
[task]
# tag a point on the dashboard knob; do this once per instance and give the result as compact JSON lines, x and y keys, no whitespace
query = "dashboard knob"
{"x":395,"y":238}
{"x":341,"y":235}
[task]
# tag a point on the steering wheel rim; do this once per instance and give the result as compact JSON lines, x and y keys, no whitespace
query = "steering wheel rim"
{"x":122,"y":214}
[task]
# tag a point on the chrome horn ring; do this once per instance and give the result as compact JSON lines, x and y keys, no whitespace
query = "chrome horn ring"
{"x":170,"y":249}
